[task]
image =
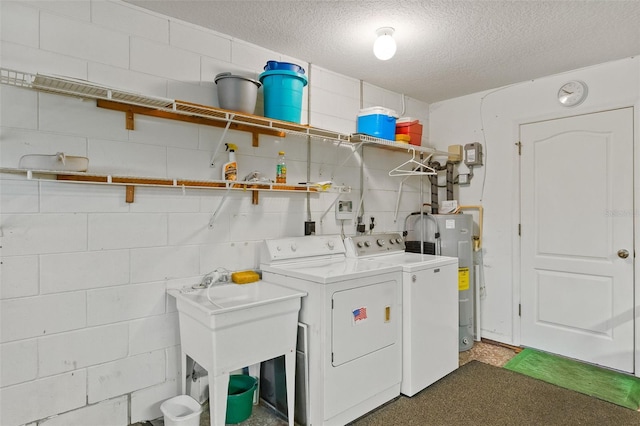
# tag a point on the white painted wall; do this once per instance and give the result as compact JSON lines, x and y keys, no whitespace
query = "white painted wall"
{"x":493,"y":119}
{"x":88,"y":334}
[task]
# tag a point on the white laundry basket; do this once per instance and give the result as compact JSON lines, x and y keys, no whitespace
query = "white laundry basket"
{"x":181,"y":410}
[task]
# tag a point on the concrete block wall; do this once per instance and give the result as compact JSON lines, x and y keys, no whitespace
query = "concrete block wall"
{"x":87,"y":332}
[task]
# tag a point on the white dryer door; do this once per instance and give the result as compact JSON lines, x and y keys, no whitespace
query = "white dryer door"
{"x":364,"y":320}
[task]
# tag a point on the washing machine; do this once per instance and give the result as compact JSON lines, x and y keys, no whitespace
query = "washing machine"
{"x":351,"y":324}
{"x":429,"y":307}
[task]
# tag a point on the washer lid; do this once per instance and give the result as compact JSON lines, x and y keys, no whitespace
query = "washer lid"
{"x":411,"y":262}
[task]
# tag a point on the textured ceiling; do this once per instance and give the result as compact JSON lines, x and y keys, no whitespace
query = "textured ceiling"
{"x":446,"y":49}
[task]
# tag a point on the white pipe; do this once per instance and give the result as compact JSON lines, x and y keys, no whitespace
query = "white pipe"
{"x":476,"y":288}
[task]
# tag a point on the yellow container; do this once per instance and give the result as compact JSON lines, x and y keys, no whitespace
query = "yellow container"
{"x":400,"y":138}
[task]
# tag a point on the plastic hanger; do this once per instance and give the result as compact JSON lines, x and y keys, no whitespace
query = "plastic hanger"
{"x":416,"y":167}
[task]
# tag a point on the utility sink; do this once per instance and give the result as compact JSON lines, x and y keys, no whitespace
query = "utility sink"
{"x":228,"y":297}
{"x":245,"y":325}
{"x":234,"y":302}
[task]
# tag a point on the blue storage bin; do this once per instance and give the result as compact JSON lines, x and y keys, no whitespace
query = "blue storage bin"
{"x":378,"y":122}
{"x":283,"y":94}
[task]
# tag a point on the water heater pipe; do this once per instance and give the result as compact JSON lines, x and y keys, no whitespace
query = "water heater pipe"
{"x":477,"y":243}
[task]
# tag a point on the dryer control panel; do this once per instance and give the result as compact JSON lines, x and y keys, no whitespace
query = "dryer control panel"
{"x":367,"y":245}
{"x":297,"y":248}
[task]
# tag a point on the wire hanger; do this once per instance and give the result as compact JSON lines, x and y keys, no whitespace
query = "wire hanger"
{"x":417,"y":168}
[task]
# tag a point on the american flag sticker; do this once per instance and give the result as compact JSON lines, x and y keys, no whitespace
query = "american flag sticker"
{"x":359,"y":314}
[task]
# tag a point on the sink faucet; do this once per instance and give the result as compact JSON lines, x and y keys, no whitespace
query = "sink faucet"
{"x":213,"y":278}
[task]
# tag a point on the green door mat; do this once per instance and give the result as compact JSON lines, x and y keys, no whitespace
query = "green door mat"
{"x":611,"y":386}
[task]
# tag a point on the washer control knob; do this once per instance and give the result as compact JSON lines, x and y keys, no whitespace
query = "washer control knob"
{"x":399,"y":240}
{"x":367,"y":243}
{"x":360,"y":244}
{"x":278,"y":248}
{"x":380,"y":242}
{"x":331,"y":245}
{"x":392,"y":241}
{"x":294,"y":247}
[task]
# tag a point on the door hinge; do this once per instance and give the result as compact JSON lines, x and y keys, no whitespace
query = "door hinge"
{"x":331,"y":303}
{"x":519,"y":309}
{"x":519,"y":229}
{"x":332,"y":357}
{"x":519,"y":145}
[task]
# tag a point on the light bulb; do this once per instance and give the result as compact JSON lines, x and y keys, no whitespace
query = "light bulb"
{"x":385,"y":46}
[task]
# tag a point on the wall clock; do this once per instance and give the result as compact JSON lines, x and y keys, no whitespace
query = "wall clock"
{"x":572,"y":93}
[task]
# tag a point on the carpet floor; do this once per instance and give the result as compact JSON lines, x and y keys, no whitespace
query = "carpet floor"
{"x":480,"y":394}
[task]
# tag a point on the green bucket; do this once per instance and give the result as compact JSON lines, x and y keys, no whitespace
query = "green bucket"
{"x":240,"y":397}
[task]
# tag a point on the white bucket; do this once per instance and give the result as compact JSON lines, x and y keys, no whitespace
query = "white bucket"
{"x":181,"y":410}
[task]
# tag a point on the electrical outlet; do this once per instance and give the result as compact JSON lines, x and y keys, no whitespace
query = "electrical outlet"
{"x":309,"y":228}
{"x":344,"y":210}
{"x":463,"y":179}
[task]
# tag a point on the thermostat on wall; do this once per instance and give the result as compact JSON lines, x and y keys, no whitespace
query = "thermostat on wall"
{"x":344,"y":209}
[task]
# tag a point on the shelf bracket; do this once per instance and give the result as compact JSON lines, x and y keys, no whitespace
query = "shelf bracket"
{"x":330,"y":207}
{"x":354,"y":149}
{"x":215,"y":213}
{"x":129,"y":121}
{"x":254,"y":197}
{"x":255,"y":139}
{"x":129,"y":193}
{"x":395,"y":214}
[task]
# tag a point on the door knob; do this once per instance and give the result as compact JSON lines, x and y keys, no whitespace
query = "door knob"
{"x":623,"y":254}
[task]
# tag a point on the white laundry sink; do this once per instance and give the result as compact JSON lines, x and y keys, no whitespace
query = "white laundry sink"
{"x":244,"y":321}
{"x":245,"y":325}
{"x":229,"y":298}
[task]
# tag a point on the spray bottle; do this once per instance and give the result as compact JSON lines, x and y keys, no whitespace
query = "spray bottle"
{"x":230,"y":168}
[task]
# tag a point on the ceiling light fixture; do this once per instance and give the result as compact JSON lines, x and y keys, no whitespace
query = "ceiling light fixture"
{"x":385,"y":46}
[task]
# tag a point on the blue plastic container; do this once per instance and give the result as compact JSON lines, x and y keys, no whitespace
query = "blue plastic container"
{"x":283,"y":66}
{"x":283,"y":94}
{"x":378,"y":122}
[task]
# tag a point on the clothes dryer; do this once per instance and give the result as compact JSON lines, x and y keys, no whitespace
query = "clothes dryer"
{"x":352,"y":316}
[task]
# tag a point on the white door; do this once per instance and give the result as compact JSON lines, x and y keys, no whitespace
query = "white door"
{"x":576,"y":231}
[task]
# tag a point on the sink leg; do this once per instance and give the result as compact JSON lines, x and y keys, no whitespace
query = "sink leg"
{"x":183,"y":373}
{"x":290,"y":371}
{"x":254,"y":370}
{"x":218,"y":399}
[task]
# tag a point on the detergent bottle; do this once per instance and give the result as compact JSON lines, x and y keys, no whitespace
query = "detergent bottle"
{"x":230,"y":168}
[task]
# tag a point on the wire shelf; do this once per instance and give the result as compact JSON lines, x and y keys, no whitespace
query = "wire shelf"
{"x":88,"y":90}
{"x":101,"y":178}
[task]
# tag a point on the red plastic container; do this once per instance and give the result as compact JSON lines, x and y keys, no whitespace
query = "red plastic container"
{"x":412,"y":127}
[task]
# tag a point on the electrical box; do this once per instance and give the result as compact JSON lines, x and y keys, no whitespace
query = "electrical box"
{"x":455,"y":153}
{"x":473,"y":154}
{"x":344,"y":209}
